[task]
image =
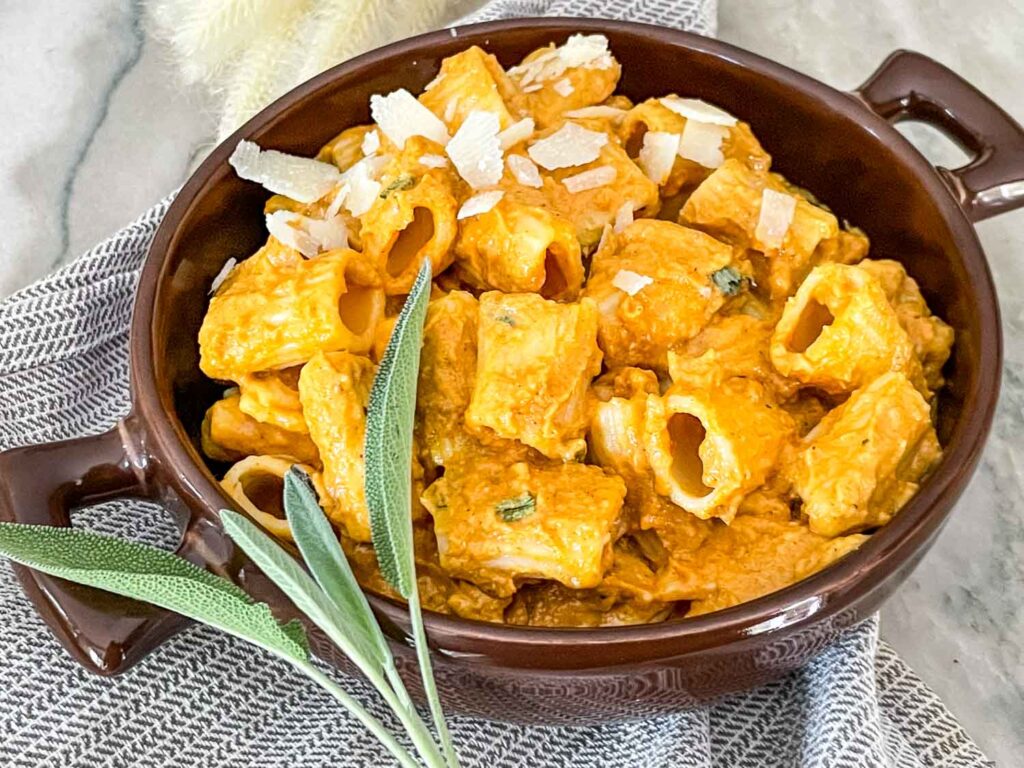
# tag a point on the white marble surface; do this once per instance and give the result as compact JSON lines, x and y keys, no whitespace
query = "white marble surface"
{"x":96,"y":130}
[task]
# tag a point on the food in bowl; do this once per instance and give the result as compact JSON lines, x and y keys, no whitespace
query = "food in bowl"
{"x":657,"y":379}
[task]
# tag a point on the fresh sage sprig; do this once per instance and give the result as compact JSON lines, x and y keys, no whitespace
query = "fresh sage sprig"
{"x":328,"y":594}
{"x":171,"y":582}
{"x":330,"y":598}
{"x":388,"y":455}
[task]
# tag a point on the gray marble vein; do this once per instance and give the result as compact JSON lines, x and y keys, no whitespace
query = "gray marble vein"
{"x":95,"y":129}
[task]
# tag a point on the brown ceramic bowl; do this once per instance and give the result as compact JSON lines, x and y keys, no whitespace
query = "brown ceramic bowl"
{"x":842,"y":146}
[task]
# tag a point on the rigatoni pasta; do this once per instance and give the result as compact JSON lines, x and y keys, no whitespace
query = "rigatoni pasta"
{"x":657,"y":378}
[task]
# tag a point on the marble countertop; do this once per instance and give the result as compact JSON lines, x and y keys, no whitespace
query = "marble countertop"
{"x":96,"y":130}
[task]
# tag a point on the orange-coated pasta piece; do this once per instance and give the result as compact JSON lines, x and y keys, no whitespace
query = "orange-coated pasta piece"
{"x":535,"y":360}
{"x":647,"y":303}
{"x":865,"y":459}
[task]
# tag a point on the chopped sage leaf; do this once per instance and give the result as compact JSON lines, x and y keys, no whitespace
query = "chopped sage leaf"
{"x":517,"y":508}
{"x":727,"y":280}
{"x":507,"y":320}
{"x":402,"y":182}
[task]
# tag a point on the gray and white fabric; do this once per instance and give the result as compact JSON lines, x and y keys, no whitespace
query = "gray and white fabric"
{"x":206,"y":699}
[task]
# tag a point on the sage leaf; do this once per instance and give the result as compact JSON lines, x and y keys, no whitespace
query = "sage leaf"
{"x":281,"y":568}
{"x":388,"y":456}
{"x":727,"y":280}
{"x":318,"y":543}
{"x":516,"y":508}
{"x":154,"y":576}
{"x":388,"y":443}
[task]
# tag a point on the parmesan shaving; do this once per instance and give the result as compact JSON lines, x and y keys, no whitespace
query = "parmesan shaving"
{"x":597,"y":111}
{"x":434,"y":83}
{"x":701,"y":111}
{"x":339,"y":199}
{"x":623,"y":216}
{"x":476,"y":151}
{"x":702,"y":143}
{"x":587,"y":51}
{"x":777,"y":209}
{"x":570,"y":145}
{"x":630,"y":282}
{"x":525,"y":171}
{"x":533,"y":88}
{"x":516,"y":133}
{"x":308,"y":236}
{"x":300,"y":178}
{"x":434,"y":161}
{"x":221,"y":276}
{"x":400,"y":116}
{"x":363,"y":187}
{"x":658,"y":154}
{"x":479,"y":203}
{"x":606,"y":234}
{"x":595,"y":177}
{"x":564,"y":87}
{"x":371,"y":143}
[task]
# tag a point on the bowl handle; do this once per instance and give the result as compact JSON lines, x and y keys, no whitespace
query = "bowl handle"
{"x":911,"y":86}
{"x":42,"y":484}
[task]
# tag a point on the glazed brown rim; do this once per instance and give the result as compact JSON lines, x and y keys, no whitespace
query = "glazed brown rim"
{"x":819,"y":595}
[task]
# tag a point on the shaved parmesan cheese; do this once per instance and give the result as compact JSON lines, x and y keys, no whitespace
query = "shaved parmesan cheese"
{"x":308,"y":236}
{"x":300,"y":178}
{"x":701,"y":111}
{"x":631,"y":283}
{"x":533,"y":88}
{"x":702,"y":143}
{"x":587,"y":51}
{"x":607,"y":306}
{"x":400,"y":116}
{"x":476,"y":151}
{"x":524,"y":170}
{"x":570,"y":145}
{"x":516,"y":132}
{"x":777,"y":209}
{"x":595,"y":177}
{"x":599,"y":111}
{"x":434,"y":161}
{"x":658,"y":155}
{"x":371,"y":142}
{"x":363,"y":187}
{"x":623,"y":216}
{"x":564,"y":87}
{"x":479,"y":203}
{"x":339,"y":199}
{"x":221,"y":276}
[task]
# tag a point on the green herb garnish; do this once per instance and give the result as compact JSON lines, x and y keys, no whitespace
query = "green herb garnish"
{"x":727,"y":280}
{"x":388,"y":452}
{"x":405,"y":181}
{"x":517,"y":508}
{"x":506,"y":319}
{"x":328,"y":594}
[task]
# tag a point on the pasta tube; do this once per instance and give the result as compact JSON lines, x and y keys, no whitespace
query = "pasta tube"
{"x":839,"y":332}
{"x":648,"y":303}
{"x":521,"y":248}
{"x":499,"y":521}
{"x":865,"y":459}
{"x":281,"y":319}
{"x":256,"y":484}
{"x":710,"y":448}
{"x":335,"y":389}
{"x":229,"y":434}
{"x":273,"y":397}
{"x":535,"y":360}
